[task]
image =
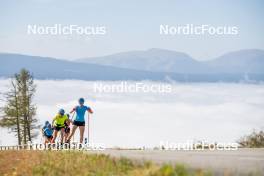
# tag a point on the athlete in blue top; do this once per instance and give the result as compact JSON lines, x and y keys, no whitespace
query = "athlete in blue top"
{"x":79,"y":120}
{"x":47,"y":132}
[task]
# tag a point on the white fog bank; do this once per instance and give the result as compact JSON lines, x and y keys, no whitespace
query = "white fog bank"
{"x":194,"y":111}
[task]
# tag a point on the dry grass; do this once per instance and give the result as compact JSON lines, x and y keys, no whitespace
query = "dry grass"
{"x":78,"y":164}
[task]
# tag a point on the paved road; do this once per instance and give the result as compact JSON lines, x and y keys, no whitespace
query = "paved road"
{"x":239,"y":162}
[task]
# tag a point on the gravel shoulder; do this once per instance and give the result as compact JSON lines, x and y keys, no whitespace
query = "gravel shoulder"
{"x":241,"y":161}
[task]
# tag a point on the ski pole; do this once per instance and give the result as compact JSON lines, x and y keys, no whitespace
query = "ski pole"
{"x":72,"y":115}
{"x":59,"y":138}
{"x":88,"y":136}
{"x":42,"y":136}
{"x":71,"y":121}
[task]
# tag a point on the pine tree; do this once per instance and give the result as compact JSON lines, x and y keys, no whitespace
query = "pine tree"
{"x":19,"y":111}
{"x":27,"y":88}
{"x":11,"y":118}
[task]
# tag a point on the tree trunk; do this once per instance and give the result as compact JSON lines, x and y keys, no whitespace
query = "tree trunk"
{"x":17,"y":114}
{"x":28,"y":128}
{"x":25,"y":130}
{"x":18,"y":124}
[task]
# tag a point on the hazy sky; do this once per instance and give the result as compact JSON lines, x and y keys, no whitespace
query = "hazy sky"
{"x":130,"y":25}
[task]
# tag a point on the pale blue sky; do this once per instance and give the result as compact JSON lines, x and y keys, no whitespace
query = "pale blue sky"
{"x":131,"y":25}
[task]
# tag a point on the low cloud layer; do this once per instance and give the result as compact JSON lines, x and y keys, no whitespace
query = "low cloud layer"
{"x":205,"y":111}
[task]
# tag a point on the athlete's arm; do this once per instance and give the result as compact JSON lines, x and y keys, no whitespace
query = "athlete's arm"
{"x":52,"y":123}
{"x":90,"y":110}
{"x":73,"y":110}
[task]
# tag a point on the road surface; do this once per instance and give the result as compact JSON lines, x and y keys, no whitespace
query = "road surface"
{"x":239,"y":162}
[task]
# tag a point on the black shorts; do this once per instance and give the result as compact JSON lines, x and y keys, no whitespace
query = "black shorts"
{"x":49,"y":137}
{"x":78,"y":123}
{"x":67,"y":129}
{"x":58,"y":128}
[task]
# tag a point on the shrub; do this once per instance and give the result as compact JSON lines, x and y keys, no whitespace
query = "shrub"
{"x":253,"y":140}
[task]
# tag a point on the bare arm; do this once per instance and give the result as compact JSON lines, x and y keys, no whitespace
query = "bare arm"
{"x":52,"y":122}
{"x":90,"y":110}
{"x":73,"y":110}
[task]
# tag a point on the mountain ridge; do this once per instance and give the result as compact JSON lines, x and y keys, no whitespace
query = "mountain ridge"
{"x":161,"y":60}
{"x":152,"y":64}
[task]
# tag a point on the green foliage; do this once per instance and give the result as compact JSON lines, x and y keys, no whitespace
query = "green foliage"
{"x":19,"y":110}
{"x":253,"y":140}
{"x":167,"y":170}
{"x":170,"y":170}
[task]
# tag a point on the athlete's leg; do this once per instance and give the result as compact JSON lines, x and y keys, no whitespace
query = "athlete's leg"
{"x":72,"y":133}
{"x":62,"y":134}
{"x":66,"y":135}
{"x":81,"y":133}
{"x":55,"y":133}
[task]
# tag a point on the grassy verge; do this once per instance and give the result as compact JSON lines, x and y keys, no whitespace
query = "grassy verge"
{"x":76,"y":163}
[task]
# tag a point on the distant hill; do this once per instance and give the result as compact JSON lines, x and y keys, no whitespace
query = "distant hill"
{"x":50,"y":68}
{"x":153,"y":64}
{"x":159,"y":60}
{"x":243,"y":61}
